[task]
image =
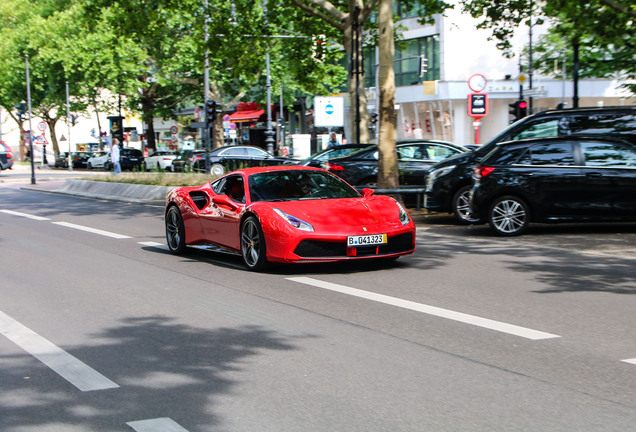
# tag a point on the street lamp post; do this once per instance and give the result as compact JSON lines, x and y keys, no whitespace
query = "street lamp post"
{"x":28,"y":83}
{"x":269,"y":133}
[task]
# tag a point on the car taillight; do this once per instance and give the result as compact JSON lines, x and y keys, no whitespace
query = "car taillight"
{"x":482,"y":171}
{"x":333,"y":167}
{"x":10,"y":155}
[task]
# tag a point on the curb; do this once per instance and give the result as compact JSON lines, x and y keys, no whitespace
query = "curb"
{"x":122,"y":192}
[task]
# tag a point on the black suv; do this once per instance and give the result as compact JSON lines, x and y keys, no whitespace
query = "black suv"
{"x":131,"y":159}
{"x":449,"y":182}
{"x":569,"y":179}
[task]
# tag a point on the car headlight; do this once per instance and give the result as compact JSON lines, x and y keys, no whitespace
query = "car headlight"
{"x":404,"y":215}
{"x":435,"y":174}
{"x":294,"y":221}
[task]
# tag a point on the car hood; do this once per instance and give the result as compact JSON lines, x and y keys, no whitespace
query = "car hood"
{"x":344,"y":216}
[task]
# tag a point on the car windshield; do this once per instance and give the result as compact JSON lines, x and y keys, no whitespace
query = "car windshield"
{"x":297,"y":185}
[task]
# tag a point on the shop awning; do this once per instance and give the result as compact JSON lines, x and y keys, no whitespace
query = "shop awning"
{"x":245,"y":116}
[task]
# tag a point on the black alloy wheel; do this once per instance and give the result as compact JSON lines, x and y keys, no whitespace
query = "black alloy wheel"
{"x":508,"y":216}
{"x":175,"y":230}
{"x":461,"y":206}
{"x":253,"y":244}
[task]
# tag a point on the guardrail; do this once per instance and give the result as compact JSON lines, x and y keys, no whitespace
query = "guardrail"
{"x":419,"y":191}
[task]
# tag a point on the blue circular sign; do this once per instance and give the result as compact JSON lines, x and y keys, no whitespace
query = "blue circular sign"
{"x":329,"y":109}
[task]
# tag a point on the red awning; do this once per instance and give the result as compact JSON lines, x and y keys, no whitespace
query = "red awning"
{"x":245,"y":116}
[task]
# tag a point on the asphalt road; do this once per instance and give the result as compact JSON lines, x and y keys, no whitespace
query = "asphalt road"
{"x":104,"y":330}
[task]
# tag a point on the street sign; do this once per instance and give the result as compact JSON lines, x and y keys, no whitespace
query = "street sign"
{"x":478,"y":105}
{"x":41,"y":140}
{"x":42,"y":126}
{"x":174,"y":130}
{"x":329,"y":111}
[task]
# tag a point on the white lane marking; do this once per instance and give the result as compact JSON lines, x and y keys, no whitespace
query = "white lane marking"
{"x":431,"y":310}
{"x":64,"y":364}
{"x":632,"y":361}
{"x":154,"y":244}
{"x":92,"y":230}
{"x":15,"y":213}
{"x":163,"y":424}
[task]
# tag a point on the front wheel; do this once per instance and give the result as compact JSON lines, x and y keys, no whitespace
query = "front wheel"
{"x":461,"y":206}
{"x":508,"y":216}
{"x":175,"y":230}
{"x":253,"y":244}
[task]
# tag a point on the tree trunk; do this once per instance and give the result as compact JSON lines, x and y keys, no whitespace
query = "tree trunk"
{"x":388,"y":177}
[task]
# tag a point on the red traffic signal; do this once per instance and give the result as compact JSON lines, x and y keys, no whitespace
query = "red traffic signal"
{"x":518,"y":110}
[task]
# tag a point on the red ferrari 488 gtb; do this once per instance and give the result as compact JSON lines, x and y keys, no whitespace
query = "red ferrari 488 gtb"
{"x":288,"y":214}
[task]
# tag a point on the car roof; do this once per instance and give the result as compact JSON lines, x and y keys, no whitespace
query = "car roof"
{"x":274,"y":168}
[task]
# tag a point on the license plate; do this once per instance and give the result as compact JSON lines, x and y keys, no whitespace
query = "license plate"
{"x":364,"y":240}
{"x":134,"y":159}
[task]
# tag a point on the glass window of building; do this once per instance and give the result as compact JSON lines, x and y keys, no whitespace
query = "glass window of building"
{"x":408,"y":69}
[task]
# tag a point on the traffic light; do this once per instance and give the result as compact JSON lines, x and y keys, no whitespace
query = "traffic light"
{"x":318,"y":48}
{"x":73,"y":119}
{"x":210,"y":111}
{"x":21,"y":107}
{"x":518,"y":110}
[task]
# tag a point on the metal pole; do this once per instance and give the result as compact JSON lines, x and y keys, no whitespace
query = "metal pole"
{"x":206,"y":90}
{"x":28,"y":83}
{"x":269,"y":133}
{"x":68,"y":124}
{"x":282,"y":118}
{"x":356,"y":26}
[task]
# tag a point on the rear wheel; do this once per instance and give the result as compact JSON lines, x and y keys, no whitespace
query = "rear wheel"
{"x":175,"y":230}
{"x":508,"y":216}
{"x":217,"y":170}
{"x":253,"y":244}
{"x":461,"y":206}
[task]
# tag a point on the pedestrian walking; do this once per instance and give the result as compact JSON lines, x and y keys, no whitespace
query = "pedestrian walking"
{"x":333,"y":140}
{"x":114,"y":156}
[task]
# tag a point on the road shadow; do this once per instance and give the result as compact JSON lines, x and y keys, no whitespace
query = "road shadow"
{"x":155,"y":360}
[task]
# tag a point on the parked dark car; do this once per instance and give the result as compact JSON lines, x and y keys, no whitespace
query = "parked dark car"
{"x":555,"y":179}
{"x":320,"y":159}
{"x":6,"y":156}
{"x":131,"y":159}
{"x":183,"y":162}
{"x":450,"y":181}
{"x":360,"y":168}
{"x":78,"y":159}
{"x":230,"y":158}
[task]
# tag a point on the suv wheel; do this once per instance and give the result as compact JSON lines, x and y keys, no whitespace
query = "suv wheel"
{"x":508,"y":216}
{"x":461,"y":206}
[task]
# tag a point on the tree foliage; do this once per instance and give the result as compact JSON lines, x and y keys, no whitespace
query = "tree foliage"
{"x":604,"y":30}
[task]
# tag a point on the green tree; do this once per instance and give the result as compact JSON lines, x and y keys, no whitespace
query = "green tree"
{"x":601,"y":31}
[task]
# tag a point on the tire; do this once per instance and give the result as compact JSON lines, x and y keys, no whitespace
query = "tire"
{"x":253,"y":244}
{"x":217,"y":170}
{"x":508,"y":216}
{"x":175,"y":231}
{"x":370,"y":182}
{"x":461,"y":209}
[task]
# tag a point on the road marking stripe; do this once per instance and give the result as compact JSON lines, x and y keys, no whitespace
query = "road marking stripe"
{"x":15,"y":213}
{"x":64,"y":364}
{"x":163,"y":424}
{"x":431,"y":310}
{"x":92,"y":230}
{"x":154,"y":244}
{"x":632,"y":361}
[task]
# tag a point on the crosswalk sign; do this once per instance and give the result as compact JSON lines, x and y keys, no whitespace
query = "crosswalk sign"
{"x":41,"y":140}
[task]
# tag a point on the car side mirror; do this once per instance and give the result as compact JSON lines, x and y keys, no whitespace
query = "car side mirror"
{"x":366,"y":192}
{"x":225,"y":200}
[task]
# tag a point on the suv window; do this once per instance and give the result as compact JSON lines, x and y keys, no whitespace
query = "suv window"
{"x":549,"y":154}
{"x":607,"y":154}
{"x":542,"y":129}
